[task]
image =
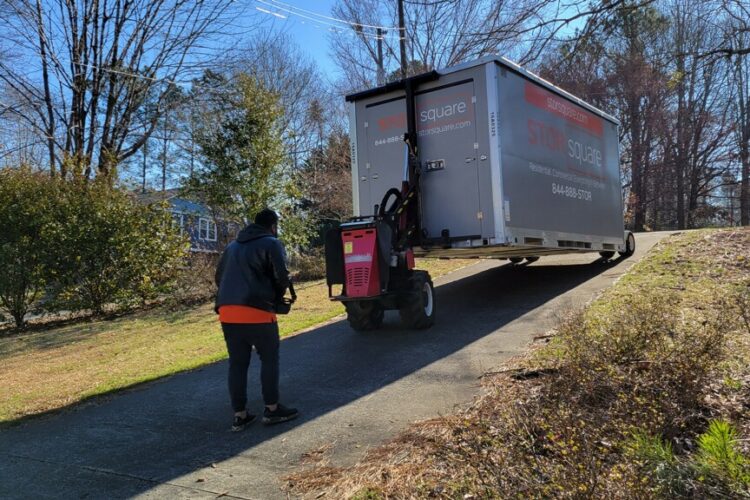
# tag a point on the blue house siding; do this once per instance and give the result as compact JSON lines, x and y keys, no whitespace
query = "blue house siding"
{"x":207,"y":234}
{"x":198,"y":223}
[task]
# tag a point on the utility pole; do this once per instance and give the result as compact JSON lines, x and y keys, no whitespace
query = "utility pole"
{"x":381,"y":71}
{"x":402,"y":36}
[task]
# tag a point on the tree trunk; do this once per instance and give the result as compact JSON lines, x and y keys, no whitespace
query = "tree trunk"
{"x":50,"y":122}
{"x":18,"y":319}
{"x":745,"y":183}
{"x":636,"y":166}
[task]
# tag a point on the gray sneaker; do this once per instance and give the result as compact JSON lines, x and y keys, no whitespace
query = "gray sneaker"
{"x":240,"y":423}
{"x":280,"y":414}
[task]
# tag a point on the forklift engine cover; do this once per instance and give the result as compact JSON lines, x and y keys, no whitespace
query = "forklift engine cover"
{"x":361,"y":262}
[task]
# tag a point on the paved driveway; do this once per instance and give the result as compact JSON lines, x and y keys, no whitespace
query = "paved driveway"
{"x":170,"y":439}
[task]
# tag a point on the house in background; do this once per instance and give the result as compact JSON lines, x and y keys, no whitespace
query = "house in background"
{"x":207,"y":234}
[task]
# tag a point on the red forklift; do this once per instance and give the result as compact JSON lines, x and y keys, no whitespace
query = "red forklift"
{"x":372,"y":257}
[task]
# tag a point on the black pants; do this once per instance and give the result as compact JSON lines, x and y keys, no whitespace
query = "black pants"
{"x":240,"y":339}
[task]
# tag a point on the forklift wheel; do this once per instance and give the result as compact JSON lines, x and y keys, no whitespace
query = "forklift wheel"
{"x":516,"y":260}
{"x":419,"y":312}
{"x":364,"y":315}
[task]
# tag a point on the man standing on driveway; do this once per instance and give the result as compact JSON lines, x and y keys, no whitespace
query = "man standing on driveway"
{"x":252,"y":278}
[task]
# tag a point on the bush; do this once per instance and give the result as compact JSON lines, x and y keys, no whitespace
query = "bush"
{"x":77,"y":245}
{"x":657,"y":461}
{"x":718,"y":469}
{"x":195,"y":280}
{"x":644,"y":358}
{"x":116,"y":251}
{"x":308,"y":266}
{"x":26,"y":200}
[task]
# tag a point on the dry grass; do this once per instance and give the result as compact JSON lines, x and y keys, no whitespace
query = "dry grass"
{"x":644,"y":394}
{"x":47,"y":370}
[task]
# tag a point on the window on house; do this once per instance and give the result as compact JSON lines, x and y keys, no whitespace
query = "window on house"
{"x":178,"y":220}
{"x":206,"y":230}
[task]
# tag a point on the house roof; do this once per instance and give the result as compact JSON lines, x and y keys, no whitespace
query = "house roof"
{"x":177,"y":203}
{"x":188,"y":206}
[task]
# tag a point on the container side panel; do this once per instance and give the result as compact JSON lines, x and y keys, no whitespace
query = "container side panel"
{"x":384,"y":130}
{"x":560,"y":164}
{"x":447,"y":129}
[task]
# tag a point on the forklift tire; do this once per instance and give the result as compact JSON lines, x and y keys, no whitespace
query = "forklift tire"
{"x":364,"y":315}
{"x":532,"y":259}
{"x":419,"y":312}
{"x":516,"y":260}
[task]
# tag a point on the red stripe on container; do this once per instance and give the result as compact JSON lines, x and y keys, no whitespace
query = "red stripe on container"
{"x":556,"y":105}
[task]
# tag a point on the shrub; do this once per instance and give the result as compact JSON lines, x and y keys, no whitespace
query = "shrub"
{"x":718,"y":456}
{"x":26,"y":201}
{"x":195,"y":280}
{"x":658,"y":462}
{"x":308,"y":266}
{"x":645,"y":357}
{"x":79,"y":245}
{"x":114,"y":250}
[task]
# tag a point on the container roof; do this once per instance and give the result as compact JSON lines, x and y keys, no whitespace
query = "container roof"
{"x":502,"y":61}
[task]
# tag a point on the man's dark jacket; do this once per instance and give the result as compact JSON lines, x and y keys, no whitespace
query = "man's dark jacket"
{"x":252,"y":270}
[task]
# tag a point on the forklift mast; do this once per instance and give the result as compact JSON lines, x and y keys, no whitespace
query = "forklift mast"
{"x":372,"y":256}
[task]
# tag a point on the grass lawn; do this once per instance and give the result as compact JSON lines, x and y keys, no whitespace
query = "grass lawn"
{"x":48,"y":370}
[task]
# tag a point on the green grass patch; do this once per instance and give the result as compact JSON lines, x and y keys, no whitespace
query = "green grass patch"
{"x":47,"y":370}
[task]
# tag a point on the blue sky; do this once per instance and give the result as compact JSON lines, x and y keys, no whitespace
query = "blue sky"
{"x":312,"y":37}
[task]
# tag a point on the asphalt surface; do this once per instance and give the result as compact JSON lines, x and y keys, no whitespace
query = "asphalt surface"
{"x":171,"y":439}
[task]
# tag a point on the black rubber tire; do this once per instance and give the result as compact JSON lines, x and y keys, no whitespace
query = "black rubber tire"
{"x":607,"y":254}
{"x":364,"y":315}
{"x":419,"y":313}
{"x":516,"y":260}
{"x":629,"y":245}
{"x":532,"y":259}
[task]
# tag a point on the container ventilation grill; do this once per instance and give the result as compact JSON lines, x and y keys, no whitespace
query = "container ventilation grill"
{"x":573,"y":244}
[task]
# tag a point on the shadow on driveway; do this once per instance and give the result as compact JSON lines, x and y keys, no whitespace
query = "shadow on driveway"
{"x":126,"y":445}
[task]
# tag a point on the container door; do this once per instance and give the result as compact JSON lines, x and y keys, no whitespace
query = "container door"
{"x":383,"y":169}
{"x":446,"y":122}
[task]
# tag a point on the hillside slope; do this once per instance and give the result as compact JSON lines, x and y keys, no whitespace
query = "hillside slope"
{"x":645,"y":393}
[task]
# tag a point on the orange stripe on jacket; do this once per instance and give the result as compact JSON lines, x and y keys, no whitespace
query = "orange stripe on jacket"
{"x":245,"y":315}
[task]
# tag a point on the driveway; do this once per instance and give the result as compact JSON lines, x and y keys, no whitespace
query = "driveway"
{"x":171,"y":439}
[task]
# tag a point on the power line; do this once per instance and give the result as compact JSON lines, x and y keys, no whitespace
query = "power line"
{"x":289,"y":7}
{"x":343,"y":31}
{"x":338,"y":28}
{"x":125,"y":73}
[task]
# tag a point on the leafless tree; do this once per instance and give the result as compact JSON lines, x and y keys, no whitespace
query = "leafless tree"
{"x":648,"y":67}
{"x":700,"y":129}
{"x":445,"y":32}
{"x":327,"y":178}
{"x":438,"y":34}
{"x":86,"y":68}
{"x":738,"y":38}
